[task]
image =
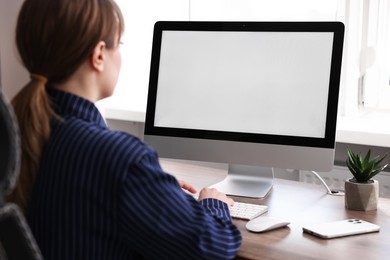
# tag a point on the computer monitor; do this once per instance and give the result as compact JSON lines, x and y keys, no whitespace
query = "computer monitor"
{"x":254,"y":95}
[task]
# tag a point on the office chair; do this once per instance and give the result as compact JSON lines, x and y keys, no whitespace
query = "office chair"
{"x":16,"y":240}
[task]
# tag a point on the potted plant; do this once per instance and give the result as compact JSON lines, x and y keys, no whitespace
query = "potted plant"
{"x":361,"y":191}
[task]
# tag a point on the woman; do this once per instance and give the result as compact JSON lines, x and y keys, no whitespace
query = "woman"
{"x":89,"y":192}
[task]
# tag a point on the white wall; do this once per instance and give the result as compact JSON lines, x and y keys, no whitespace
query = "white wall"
{"x":13,"y":76}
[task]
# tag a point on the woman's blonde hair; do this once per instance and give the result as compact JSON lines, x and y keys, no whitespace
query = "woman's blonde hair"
{"x":53,"y":39}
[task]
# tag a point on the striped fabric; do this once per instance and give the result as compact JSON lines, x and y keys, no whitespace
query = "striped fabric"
{"x":102,"y":194}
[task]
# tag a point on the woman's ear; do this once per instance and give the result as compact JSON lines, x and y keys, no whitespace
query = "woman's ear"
{"x":98,"y":56}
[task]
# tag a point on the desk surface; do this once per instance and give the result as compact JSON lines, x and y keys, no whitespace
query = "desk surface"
{"x":301,"y":204}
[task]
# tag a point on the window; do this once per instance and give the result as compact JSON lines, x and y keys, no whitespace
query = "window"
{"x":375,"y":55}
{"x":366,"y":62}
{"x":140,"y":16}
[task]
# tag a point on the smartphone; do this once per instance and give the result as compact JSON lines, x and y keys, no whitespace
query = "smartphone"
{"x":341,"y":228}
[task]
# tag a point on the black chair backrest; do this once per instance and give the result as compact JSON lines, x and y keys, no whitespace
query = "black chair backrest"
{"x":15,"y":236}
{"x":16,"y":240}
{"x":9,"y":148}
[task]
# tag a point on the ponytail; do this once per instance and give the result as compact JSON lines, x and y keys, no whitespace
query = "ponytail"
{"x":53,"y":38}
{"x":34,"y":112}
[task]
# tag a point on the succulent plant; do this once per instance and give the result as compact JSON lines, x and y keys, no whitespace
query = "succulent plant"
{"x":364,"y":168}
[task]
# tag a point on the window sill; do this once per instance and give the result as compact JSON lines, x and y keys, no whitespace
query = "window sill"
{"x":125,"y":115}
{"x":371,"y":128}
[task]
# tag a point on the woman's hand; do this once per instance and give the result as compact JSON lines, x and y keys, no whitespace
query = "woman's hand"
{"x":187,"y":187}
{"x":215,"y":194}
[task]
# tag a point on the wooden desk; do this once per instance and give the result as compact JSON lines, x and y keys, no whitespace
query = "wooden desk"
{"x":301,"y":204}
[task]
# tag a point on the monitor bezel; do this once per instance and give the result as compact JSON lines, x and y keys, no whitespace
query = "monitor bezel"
{"x":328,"y":141}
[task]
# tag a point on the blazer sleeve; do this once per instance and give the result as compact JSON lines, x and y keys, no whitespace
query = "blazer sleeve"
{"x":160,"y":221}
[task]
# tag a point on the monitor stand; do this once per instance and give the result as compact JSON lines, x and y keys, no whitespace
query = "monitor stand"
{"x":247,"y":181}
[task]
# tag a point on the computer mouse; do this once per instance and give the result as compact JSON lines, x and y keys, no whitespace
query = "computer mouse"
{"x":265,"y":223}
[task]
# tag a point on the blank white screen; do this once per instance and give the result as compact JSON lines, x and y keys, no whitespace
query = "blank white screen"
{"x":249,"y":82}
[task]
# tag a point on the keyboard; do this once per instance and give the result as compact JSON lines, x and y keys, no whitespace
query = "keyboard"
{"x":247,"y":211}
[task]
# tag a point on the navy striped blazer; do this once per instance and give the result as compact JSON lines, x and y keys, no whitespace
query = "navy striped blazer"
{"x":101,"y":194}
